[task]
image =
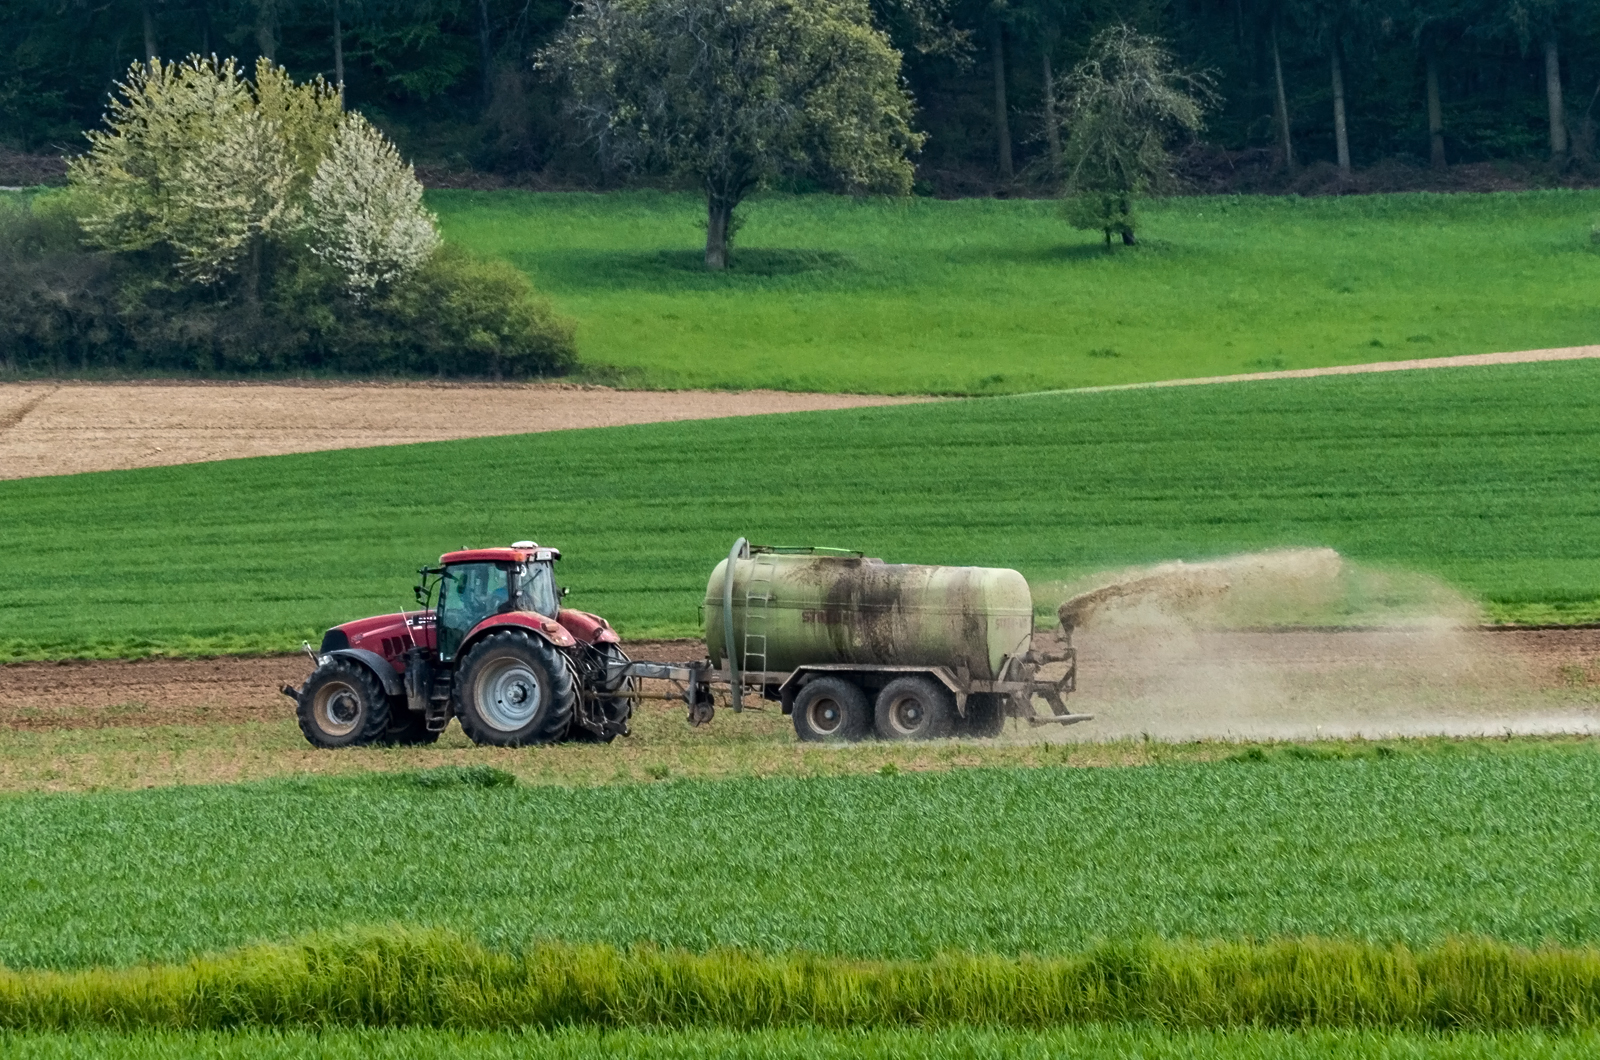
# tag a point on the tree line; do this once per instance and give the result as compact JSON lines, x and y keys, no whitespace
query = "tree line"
{"x":1341,"y":83}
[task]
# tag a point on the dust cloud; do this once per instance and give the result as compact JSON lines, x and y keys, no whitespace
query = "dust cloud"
{"x":1295,"y":644}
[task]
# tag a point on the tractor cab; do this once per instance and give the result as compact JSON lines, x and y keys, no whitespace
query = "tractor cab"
{"x":480,"y":583}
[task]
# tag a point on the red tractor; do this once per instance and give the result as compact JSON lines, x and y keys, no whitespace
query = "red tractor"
{"x":498,"y":652}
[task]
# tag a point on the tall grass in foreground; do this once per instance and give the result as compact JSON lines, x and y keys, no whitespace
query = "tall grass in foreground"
{"x":806,"y":1043}
{"x":431,"y":978}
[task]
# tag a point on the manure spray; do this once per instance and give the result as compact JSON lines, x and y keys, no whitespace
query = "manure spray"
{"x":1293,"y":644}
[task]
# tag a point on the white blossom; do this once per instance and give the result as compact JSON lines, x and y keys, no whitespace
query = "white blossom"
{"x":366,"y":217}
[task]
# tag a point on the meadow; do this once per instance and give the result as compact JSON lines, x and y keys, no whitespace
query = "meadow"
{"x":1402,"y":848}
{"x":1481,"y":476}
{"x":1091,"y":1043}
{"x":982,"y":296}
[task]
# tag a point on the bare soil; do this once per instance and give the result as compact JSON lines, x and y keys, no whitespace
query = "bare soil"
{"x":71,"y":427}
{"x":1491,"y":669}
{"x":226,"y":690}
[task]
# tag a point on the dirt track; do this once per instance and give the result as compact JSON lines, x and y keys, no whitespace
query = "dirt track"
{"x":63,"y":429}
{"x":1560,"y":667}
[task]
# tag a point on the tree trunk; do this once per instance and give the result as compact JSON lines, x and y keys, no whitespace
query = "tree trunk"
{"x":1002,"y":126}
{"x":1052,"y":124}
{"x":1285,"y":141}
{"x":252,"y":277}
{"x":485,"y":52}
{"x":1435,"y":114}
{"x":719,"y":213}
{"x":1552,"y":91}
{"x":338,"y":48}
{"x":1341,"y":133}
{"x":149,"y":32}
{"x":267,"y":30}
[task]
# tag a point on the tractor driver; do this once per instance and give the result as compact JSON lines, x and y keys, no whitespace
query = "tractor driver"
{"x":483,"y":590}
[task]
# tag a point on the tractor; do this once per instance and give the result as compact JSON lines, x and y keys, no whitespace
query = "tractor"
{"x":496,"y":651}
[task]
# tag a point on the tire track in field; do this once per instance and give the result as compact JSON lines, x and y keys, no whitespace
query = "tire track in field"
{"x":17,"y":415}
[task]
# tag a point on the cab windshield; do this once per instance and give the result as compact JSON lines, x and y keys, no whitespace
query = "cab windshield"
{"x":471,"y":592}
{"x":536,"y":590}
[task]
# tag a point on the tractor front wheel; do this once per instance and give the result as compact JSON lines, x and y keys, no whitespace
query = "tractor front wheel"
{"x":342,"y":705}
{"x":513,"y":689}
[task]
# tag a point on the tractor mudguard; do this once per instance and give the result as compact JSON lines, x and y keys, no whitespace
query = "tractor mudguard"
{"x":379,"y":666}
{"x":546,"y":629}
{"x":591,"y":629}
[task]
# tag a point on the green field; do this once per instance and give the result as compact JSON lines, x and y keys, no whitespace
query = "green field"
{"x":989,"y":296}
{"x":1410,"y":847}
{"x":1484,"y":476}
{"x":1094,"y":1043}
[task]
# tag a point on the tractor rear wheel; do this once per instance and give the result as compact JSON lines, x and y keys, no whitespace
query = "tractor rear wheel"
{"x":831,"y":710}
{"x":513,"y":689}
{"x":614,"y":699}
{"x":915,"y":708}
{"x":342,"y":705}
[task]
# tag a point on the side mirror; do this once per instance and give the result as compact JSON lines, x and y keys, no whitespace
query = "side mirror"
{"x":421,"y":593}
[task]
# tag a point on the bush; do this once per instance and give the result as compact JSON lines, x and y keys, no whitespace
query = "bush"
{"x":220,"y":224}
{"x":66,"y":309}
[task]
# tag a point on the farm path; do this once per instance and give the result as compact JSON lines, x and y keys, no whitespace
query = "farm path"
{"x":67,"y":428}
{"x":1467,"y":360}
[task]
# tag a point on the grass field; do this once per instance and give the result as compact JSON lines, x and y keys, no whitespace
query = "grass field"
{"x":1484,"y":476}
{"x":662,"y":748}
{"x":987,"y":296}
{"x":1093,"y":1043}
{"x":1412,"y":848}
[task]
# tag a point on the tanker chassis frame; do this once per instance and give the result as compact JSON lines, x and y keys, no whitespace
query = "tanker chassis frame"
{"x":1019,"y":683}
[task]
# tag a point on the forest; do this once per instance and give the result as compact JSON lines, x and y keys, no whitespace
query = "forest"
{"x":1311,"y":93}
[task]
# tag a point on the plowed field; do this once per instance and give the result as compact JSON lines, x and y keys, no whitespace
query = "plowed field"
{"x":63,"y":429}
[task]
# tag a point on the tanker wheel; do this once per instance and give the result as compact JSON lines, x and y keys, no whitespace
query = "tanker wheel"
{"x":986,"y":716}
{"x":914,"y":708}
{"x":409,"y":729}
{"x":342,"y":705}
{"x":512,"y":690}
{"x":831,"y":710}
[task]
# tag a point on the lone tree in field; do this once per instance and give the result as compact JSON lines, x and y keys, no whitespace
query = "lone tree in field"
{"x":1126,"y":101}
{"x":735,"y":93}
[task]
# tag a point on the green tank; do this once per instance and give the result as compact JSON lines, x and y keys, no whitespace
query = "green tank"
{"x":807,"y":607}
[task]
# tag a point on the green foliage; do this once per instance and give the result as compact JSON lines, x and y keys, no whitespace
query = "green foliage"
{"x":1126,"y":100}
{"x":197,"y":159}
{"x":457,"y":316}
{"x":1413,"y":849}
{"x":1435,"y":471}
{"x":806,"y":1043}
{"x":63,"y":310}
{"x":985,"y":296}
{"x":428,"y":978}
{"x":731,"y":95}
